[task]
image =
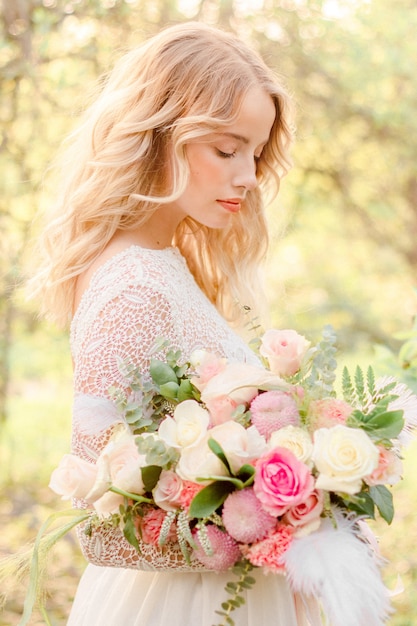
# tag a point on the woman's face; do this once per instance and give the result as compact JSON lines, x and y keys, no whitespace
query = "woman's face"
{"x":223,"y":164}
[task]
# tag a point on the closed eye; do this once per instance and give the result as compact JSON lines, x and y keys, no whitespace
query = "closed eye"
{"x":225,"y":155}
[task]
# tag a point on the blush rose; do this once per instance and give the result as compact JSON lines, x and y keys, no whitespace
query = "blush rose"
{"x":281,"y":481}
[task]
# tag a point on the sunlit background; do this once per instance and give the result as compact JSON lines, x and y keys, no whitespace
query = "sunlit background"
{"x":343,"y":230}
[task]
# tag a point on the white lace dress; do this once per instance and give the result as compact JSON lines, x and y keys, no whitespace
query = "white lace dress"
{"x":133,"y":298}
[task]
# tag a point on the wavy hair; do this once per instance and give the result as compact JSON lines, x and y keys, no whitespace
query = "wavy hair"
{"x":183,"y":83}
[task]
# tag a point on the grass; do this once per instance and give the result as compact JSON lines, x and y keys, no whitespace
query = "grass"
{"x":37,"y":434}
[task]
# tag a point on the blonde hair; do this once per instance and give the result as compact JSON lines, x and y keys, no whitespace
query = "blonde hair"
{"x":179,"y":85}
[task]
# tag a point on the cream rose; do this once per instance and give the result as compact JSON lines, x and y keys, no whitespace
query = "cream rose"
{"x":285,"y":350}
{"x":295,"y":439}
{"x":241,"y":382}
{"x":343,"y":457}
{"x":73,"y":478}
{"x":240,"y":446}
{"x":119,"y":465}
{"x":187,"y":426}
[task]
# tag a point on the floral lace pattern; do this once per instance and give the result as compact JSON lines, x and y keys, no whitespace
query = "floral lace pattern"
{"x":135,"y":297}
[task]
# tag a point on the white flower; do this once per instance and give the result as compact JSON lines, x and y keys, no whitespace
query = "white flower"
{"x":343,"y":456}
{"x":241,"y":381}
{"x":295,"y":439}
{"x":187,"y":426}
{"x":240,"y":446}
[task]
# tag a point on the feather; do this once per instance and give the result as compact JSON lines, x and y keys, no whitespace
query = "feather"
{"x":339,"y":568}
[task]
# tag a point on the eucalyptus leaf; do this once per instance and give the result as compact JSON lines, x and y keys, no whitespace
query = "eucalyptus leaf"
{"x":162,"y":373}
{"x":169,"y":390}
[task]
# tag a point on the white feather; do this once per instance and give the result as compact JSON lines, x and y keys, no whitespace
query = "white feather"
{"x":342,"y":571}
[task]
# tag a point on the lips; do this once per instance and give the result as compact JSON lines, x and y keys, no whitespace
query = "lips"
{"x":232,"y":205}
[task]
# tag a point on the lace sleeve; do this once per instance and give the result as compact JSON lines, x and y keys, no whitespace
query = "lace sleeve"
{"x":123,"y":331}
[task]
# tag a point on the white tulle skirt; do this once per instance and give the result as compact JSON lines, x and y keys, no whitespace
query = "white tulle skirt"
{"x":124,"y":597}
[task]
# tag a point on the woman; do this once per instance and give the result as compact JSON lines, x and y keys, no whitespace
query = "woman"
{"x":159,"y":232}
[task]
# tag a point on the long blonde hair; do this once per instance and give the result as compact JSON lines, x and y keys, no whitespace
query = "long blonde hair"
{"x":181,"y":84}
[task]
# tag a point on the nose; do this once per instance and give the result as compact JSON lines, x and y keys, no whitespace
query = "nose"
{"x":246,"y":176}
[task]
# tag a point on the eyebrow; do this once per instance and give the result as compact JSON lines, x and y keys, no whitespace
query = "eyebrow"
{"x":241,"y":138}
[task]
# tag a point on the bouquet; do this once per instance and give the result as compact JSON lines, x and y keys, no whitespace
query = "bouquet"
{"x":246,"y":466}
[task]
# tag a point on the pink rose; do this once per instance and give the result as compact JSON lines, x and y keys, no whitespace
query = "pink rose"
{"x":73,"y":478}
{"x":389,"y":470}
{"x":281,"y":481}
{"x":168,"y":491}
{"x":307,"y":513}
{"x":285,"y":350}
{"x":206,"y":365}
{"x":221,"y":409}
{"x":328,"y":412}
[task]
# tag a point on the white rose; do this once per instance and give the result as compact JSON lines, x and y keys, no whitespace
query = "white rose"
{"x":343,"y":456}
{"x":119,"y":465}
{"x":239,"y":444}
{"x":73,"y":478}
{"x":295,"y":439}
{"x":187,"y":426}
{"x":199,"y":462}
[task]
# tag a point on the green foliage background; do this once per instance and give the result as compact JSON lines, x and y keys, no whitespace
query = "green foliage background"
{"x":348,"y":209}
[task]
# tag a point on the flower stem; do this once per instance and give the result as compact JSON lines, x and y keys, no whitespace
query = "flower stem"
{"x":130,"y":496}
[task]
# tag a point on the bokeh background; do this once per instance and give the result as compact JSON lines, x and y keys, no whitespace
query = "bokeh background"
{"x":343,"y":231}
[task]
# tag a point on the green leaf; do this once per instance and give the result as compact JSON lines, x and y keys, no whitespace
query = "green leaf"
{"x":162,"y":373}
{"x":169,"y":390}
{"x":150,"y":476}
{"x":210,"y":498}
{"x":218,"y":451}
{"x":382,"y":497}
{"x":246,"y":474}
{"x":386,"y":425}
{"x":361,"y":503}
{"x":185,"y":391}
{"x":129,"y":532}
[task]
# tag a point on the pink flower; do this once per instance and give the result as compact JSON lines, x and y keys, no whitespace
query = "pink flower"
{"x":206,"y":365}
{"x":273,"y":410}
{"x":189,"y":490}
{"x":389,"y":470}
{"x":328,"y":412}
{"x":225,"y":550}
{"x":244,"y":518}
{"x":150,"y":527}
{"x":307,"y":513}
{"x":239,"y":382}
{"x":285,"y":350}
{"x":221,"y":409}
{"x":281,"y":481}
{"x":167,"y":491}
{"x":73,"y":478}
{"x":268,"y":552}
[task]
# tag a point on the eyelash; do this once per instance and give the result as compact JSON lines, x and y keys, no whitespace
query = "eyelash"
{"x":225,"y":155}
{"x":229,"y":155}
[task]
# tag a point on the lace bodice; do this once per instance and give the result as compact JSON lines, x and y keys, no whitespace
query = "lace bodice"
{"x":133,"y":298}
